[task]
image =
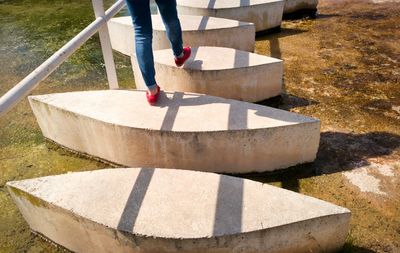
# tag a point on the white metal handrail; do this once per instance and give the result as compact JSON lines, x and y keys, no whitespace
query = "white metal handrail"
{"x":23,"y":88}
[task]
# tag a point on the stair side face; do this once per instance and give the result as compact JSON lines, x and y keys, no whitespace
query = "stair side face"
{"x":122,"y":36}
{"x":116,"y":127}
{"x":196,"y":31}
{"x":265,"y":15}
{"x":221,"y":72}
{"x":298,"y":5}
{"x":163,"y":210}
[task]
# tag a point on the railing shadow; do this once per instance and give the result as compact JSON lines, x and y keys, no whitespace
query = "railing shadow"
{"x":238,"y":112}
{"x":244,"y":2}
{"x":135,"y":200}
{"x":229,"y":207}
{"x":203,"y":23}
{"x":211,"y":4}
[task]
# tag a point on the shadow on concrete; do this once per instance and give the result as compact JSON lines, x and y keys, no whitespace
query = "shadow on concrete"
{"x":135,"y":200}
{"x":194,"y":64}
{"x":211,"y":4}
{"x":170,"y":116}
{"x":228,"y":210}
{"x":244,"y":2}
{"x":228,"y":213}
{"x":337,"y":152}
{"x":238,"y":111}
{"x":203,"y":23}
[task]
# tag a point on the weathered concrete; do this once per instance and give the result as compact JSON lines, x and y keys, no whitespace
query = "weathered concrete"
{"x":185,"y":131}
{"x":265,"y":14}
{"x":196,"y":31}
{"x":298,"y":5}
{"x":163,"y":210}
{"x":218,"y":71}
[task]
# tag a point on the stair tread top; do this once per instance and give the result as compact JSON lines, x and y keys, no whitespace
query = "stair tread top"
{"x":223,"y":4}
{"x":175,"y":111}
{"x":169,"y":203}
{"x":215,"y":58}
{"x":189,"y":22}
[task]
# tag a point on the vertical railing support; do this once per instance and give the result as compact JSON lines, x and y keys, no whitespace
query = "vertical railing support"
{"x":106,"y":46}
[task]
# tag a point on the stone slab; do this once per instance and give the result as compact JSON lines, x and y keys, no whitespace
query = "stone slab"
{"x":196,"y":31}
{"x":218,"y":71}
{"x":264,"y":14}
{"x":163,"y":210}
{"x":184,"y":129}
{"x":292,"y":6}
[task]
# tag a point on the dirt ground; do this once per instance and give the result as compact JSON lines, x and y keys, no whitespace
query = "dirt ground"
{"x":342,"y":67}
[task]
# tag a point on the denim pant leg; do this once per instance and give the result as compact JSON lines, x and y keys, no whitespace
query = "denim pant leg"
{"x":172,"y":24}
{"x":141,"y":18}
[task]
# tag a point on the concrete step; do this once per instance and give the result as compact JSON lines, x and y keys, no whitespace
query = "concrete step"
{"x":265,"y":14}
{"x":292,"y":6}
{"x":196,"y":31}
{"x":161,"y":210}
{"x":218,"y":71}
{"x":185,"y":131}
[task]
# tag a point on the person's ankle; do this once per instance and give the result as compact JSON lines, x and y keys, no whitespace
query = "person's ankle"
{"x":181,"y":55}
{"x":153,"y":91}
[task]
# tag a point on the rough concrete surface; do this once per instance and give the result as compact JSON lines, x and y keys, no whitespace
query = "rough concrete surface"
{"x":264,"y":14}
{"x":196,"y":31}
{"x":164,"y":210}
{"x":217,"y":71}
{"x":119,"y":126}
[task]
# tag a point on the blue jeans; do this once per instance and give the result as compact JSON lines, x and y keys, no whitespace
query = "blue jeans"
{"x":141,"y":18}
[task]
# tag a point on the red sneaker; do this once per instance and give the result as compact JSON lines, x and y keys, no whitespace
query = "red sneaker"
{"x":152,"y":99}
{"x":186,"y":54}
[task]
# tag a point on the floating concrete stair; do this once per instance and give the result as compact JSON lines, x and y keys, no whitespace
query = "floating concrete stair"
{"x":196,"y":31}
{"x":292,"y":6}
{"x":218,"y":71}
{"x":265,"y":14}
{"x":185,"y":131}
{"x":161,"y":210}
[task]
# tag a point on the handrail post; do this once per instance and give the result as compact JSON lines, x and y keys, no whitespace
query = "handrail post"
{"x":106,"y":46}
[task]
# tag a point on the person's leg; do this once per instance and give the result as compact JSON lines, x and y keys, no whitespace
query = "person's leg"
{"x":172,"y":24}
{"x":141,"y":18}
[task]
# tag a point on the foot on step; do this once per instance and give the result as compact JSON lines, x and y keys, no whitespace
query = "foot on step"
{"x":152,"y":95}
{"x":179,"y":61}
